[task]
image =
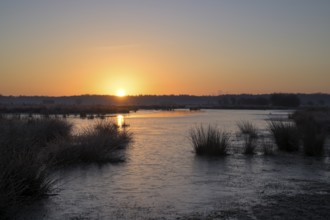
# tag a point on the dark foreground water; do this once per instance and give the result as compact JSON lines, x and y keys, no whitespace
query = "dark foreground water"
{"x":163,"y":179}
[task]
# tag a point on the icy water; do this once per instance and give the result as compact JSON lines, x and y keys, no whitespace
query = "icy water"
{"x":163,"y":179}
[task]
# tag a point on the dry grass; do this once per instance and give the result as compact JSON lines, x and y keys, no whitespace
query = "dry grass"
{"x":209,"y":141}
{"x":286,"y":135}
{"x":101,"y":143}
{"x":31,"y":148}
{"x":313,"y":128}
{"x":24,"y":175}
{"x":249,"y":132}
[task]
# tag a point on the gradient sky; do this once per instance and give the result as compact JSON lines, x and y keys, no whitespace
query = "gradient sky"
{"x":205,"y":47}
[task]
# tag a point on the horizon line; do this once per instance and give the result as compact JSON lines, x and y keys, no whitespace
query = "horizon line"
{"x":210,"y":95}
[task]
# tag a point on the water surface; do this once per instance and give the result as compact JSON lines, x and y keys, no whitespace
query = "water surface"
{"x":162,"y":178}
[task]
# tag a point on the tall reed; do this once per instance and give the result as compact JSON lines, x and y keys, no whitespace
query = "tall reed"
{"x":100,"y":143}
{"x":250,"y":136}
{"x":24,"y":175}
{"x":285,"y":134}
{"x":209,"y":141}
{"x":313,"y":130}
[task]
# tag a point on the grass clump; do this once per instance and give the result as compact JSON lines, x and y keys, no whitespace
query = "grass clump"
{"x":101,"y":143}
{"x":267,"y":147}
{"x":209,"y":141}
{"x":24,"y":175}
{"x":250,"y":135}
{"x":313,"y":142}
{"x":47,"y":130}
{"x":313,"y":131}
{"x":36,"y":132}
{"x":286,"y":135}
{"x":31,"y":148}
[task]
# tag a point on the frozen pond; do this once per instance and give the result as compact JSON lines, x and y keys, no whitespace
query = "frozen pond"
{"x":163,"y":179}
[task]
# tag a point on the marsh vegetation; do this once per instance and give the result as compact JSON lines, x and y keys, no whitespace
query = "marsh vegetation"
{"x":314,"y":127}
{"x":30,"y":149}
{"x":209,"y":140}
{"x":305,"y":131}
{"x":249,"y":132}
{"x":161,"y":154}
{"x":286,"y":135}
{"x":100,"y":143}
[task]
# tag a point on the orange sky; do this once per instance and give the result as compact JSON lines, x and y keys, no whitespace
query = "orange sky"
{"x":164,"y":47}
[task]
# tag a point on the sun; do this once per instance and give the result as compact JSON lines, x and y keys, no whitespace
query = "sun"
{"x":120,"y":93}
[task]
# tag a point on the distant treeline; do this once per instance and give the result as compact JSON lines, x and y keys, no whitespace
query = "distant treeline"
{"x":106,"y":104}
{"x":275,"y":100}
{"x":57,"y":109}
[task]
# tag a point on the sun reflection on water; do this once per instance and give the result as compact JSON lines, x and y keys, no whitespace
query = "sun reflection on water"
{"x":120,"y":120}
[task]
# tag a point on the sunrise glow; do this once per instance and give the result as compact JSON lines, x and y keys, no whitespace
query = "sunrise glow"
{"x":120,"y":93}
{"x":57,"y":49}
